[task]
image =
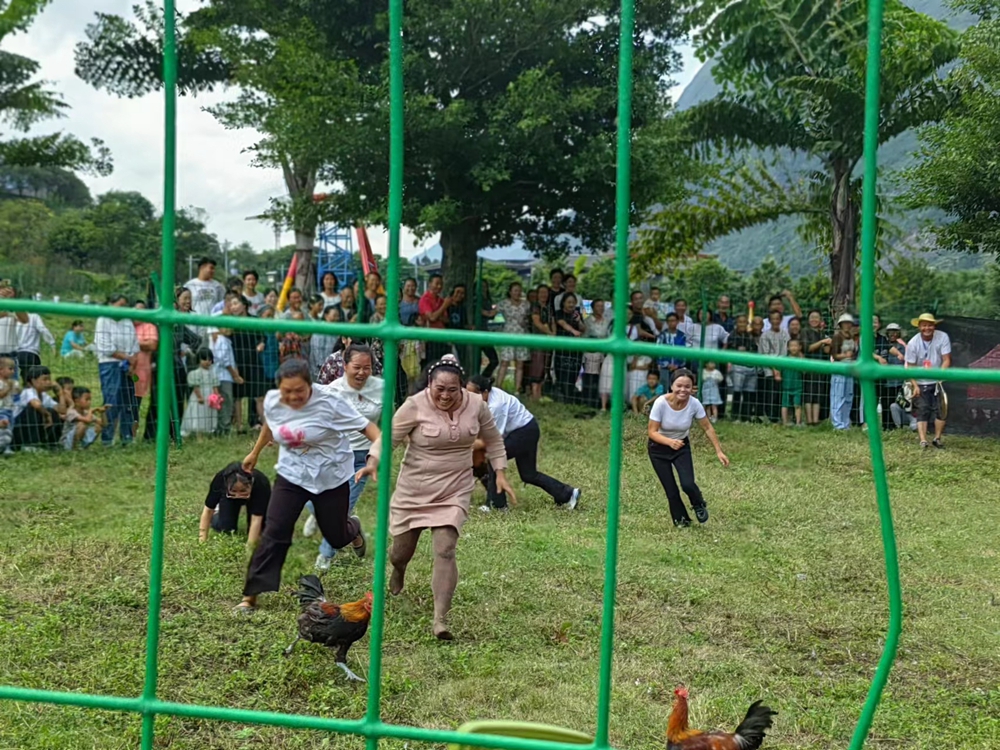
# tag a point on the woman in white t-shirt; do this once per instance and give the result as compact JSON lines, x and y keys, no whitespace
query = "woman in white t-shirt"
{"x":364,"y":391}
{"x":311,"y":427}
{"x":669,"y":446}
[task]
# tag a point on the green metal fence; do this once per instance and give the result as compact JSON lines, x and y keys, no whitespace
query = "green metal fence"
{"x":371,"y":726}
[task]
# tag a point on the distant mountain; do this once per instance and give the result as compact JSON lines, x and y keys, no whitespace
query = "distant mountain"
{"x":744,"y":251}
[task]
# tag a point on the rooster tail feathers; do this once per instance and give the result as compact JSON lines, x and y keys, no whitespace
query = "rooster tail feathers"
{"x":750,"y":732}
{"x":310,"y":590}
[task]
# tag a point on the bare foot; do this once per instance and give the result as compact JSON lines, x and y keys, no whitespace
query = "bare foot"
{"x":442,"y":633}
{"x":396,"y":581}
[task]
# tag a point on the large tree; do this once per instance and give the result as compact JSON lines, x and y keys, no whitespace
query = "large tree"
{"x":958,"y":169}
{"x":26,"y":101}
{"x":510,"y":109}
{"x":793,"y":80}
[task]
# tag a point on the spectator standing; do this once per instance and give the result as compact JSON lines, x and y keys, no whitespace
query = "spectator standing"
{"x":815,"y":386}
{"x":711,"y":390}
{"x":347,"y":306}
{"x":569,"y":287}
{"x":773,"y":342}
{"x":777,"y":302}
{"x":487,"y":311}
{"x":234,"y":287}
{"x":569,"y":323}
{"x":117,"y":349}
{"x":516,"y":312}
{"x":328,"y":291}
{"x":683,"y":319}
{"x":595,"y":326}
{"x":434,"y":310}
{"x":229,"y":376}
{"x":254,"y":298}
{"x":885,"y":393}
{"x":200,"y":415}
{"x":670,"y":336}
{"x":409,"y":303}
{"x":205,"y":291}
{"x":895,"y":355}
{"x":270,"y":356}
{"x":843,"y":348}
{"x":744,"y":376}
{"x":660,"y":307}
{"x":9,"y":322}
{"x":29,"y":341}
{"x":716,"y":337}
{"x":149,"y":341}
{"x":928,"y":349}
{"x":792,"y":388}
{"x":541,"y":324}
{"x":723,"y":313}
{"x":248,"y":346}
{"x":296,"y":303}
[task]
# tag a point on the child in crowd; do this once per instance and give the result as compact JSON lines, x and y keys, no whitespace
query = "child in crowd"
{"x":228,"y":374}
{"x":322,"y":344}
{"x":199,"y":417}
{"x":744,"y":376}
{"x":9,"y":391}
{"x":791,"y":388}
{"x":74,"y":344}
{"x":646,"y":394}
{"x":37,"y":423}
{"x":271,"y":356}
{"x":64,"y":395}
{"x":83,"y":424}
{"x":294,"y":345}
{"x":711,"y":396}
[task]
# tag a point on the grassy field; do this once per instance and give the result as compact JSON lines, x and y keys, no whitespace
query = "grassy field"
{"x":780,"y":596}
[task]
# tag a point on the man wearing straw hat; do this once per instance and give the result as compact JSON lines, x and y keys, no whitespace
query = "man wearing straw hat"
{"x":930,"y":348}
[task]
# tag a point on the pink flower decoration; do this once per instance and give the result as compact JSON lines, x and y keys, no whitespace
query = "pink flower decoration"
{"x":292,"y":439}
{"x":215,"y":401}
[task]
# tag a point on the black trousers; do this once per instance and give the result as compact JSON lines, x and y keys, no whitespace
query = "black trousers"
{"x":26,"y":360}
{"x":664,"y":461}
{"x":492,"y":361}
{"x":522,"y":448}
{"x":227,"y":520}
{"x":30,"y":429}
{"x":886,"y":397}
{"x":769,"y":393}
{"x":284,"y":509}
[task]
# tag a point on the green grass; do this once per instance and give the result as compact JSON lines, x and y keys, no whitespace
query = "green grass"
{"x":780,"y":596}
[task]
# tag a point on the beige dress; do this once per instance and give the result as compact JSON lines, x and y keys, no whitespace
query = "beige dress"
{"x":435,"y":482}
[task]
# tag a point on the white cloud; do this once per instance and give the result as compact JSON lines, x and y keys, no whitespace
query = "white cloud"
{"x":213,"y":172}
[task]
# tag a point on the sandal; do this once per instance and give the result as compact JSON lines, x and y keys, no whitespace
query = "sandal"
{"x":243,"y":610}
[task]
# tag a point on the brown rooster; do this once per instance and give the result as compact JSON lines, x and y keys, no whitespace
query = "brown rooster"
{"x":334,"y":625}
{"x":748,"y":735}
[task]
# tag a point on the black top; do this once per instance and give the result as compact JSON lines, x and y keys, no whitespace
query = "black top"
{"x":259,"y":495}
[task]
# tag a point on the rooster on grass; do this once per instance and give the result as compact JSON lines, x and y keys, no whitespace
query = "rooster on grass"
{"x":334,"y":625}
{"x":748,"y":735}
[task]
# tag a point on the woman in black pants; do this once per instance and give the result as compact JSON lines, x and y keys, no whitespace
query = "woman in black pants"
{"x":669,"y":446}
{"x":520,"y":436}
{"x":315,"y":461}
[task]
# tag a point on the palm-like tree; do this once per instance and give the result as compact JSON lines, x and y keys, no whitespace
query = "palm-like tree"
{"x":793,"y":78}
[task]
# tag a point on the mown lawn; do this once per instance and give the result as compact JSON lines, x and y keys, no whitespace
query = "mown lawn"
{"x":780,"y":596}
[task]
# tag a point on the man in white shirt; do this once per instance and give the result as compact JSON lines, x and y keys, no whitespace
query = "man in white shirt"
{"x":29,"y":340}
{"x":117,"y":346}
{"x":777,"y":302}
{"x":569,"y":287}
{"x":9,"y":322}
{"x":206,"y":292}
{"x":929,"y":349}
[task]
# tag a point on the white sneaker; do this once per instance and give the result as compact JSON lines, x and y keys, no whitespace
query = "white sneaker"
{"x":311,"y":527}
{"x":574,"y":499}
{"x":323,"y":564}
{"x":484,"y":509}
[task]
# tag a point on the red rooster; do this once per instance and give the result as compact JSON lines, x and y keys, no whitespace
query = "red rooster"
{"x":748,"y":735}
{"x":332,"y":625}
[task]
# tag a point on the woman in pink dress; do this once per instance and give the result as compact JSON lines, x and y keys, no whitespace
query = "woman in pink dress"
{"x":435,"y":482}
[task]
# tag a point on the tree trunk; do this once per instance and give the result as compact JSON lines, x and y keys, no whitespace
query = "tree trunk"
{"x":844,"y":219}
{"x":301,"y":184}
{"x":460,"y":245}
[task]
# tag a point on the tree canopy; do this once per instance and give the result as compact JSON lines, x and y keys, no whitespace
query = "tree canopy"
{"x":793,"y":80}
{"x":510,"y":109}
{"x":958,"y":169}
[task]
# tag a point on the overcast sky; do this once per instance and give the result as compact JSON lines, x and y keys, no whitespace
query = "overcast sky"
{"x":213,"y":171}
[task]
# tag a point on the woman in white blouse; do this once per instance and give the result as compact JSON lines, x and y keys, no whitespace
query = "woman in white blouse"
{"x":520,"y":436}
{"x":117,"y":348}
{"x":362,"y":389}
{"x":312,"y":427}
{"x":669,"y":445}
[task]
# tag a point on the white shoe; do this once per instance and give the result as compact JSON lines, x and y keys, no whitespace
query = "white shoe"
{"x":311,"y":527}
{"x":574,"y":499}
{"x":323,"y":564}
{"x":484,"y":509}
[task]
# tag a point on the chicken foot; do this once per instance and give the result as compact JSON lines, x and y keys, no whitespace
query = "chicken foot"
{"x":288,"y":651}
{"x":350,"y":675}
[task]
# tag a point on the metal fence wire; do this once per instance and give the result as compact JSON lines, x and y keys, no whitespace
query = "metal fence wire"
{"x":866,"y":370}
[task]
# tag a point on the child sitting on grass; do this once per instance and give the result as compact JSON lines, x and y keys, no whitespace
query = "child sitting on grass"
{"x":9,"y":390}
{"x":648,"y":393}
{"x":64,"y":395}
{"x":83,"y":424}
{"x":791,"y":388}
{"x":37,"y":423}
